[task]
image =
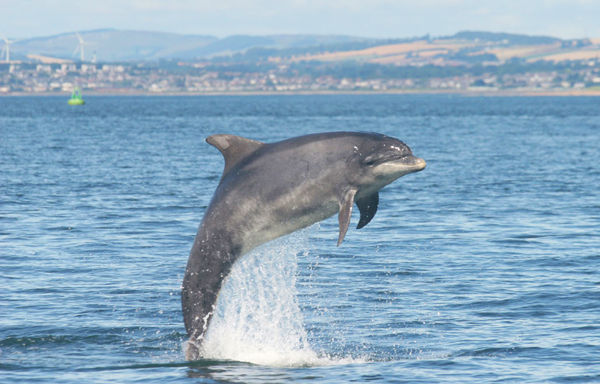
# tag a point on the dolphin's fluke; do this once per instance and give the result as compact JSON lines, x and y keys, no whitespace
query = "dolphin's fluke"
{"x":234,"y":148}
{"x":346,"y":204}
{"x":367,"y":207}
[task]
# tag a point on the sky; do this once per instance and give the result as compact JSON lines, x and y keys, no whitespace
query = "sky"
{"x":367,"y":18}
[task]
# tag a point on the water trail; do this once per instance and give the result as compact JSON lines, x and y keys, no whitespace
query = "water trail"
{"x":258,"y":318}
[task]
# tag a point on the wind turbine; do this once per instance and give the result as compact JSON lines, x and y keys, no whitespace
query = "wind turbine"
{"x":80,"y":46}
{"x":6,"y":48}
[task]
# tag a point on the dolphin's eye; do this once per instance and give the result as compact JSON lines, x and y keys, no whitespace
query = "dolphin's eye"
{"x":370,"y":160}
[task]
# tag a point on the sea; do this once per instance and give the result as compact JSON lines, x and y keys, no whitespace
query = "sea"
{"x":482,"y":268}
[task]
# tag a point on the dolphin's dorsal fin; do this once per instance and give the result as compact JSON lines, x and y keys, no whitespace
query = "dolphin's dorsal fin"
{"x":346,"y":202}
{"x":368,"y":207}
{"x":234,"y":148}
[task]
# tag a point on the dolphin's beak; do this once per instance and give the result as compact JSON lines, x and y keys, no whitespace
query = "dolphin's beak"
{"x":412,"y":163}
{"x":419,"y":164}
{"x":404,"y":165}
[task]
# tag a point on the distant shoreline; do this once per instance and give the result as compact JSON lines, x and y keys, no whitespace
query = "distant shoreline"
{"x":478,"y":93}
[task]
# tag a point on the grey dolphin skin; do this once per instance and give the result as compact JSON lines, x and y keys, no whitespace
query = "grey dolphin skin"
{"x":270,"y":190}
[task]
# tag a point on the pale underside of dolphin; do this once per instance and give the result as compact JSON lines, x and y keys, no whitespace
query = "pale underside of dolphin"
{"x":268,"y":190}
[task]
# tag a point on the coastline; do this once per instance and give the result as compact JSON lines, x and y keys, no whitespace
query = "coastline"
{"x":466,"y":93}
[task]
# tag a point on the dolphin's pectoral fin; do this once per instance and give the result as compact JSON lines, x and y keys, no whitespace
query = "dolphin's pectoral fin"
{"x":368,"y":207}
{"x":234,"y":148}
{"x":346,"y":203}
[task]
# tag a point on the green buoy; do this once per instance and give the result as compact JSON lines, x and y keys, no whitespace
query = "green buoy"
{"x":76,"y":97}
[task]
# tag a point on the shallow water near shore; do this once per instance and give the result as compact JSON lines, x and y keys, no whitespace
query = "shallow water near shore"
{"x":484,"y":267}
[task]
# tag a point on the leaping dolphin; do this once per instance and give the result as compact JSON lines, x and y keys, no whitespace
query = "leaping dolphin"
{"x":268,"y":190}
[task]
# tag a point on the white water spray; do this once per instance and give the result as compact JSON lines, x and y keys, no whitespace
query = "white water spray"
{"x":258,"y":318}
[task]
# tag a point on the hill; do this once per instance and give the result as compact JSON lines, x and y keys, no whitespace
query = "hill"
{"x":112,"y":45}
{"x":462,"y":48}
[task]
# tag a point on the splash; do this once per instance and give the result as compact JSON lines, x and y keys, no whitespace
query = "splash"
{"x":258,"y":317}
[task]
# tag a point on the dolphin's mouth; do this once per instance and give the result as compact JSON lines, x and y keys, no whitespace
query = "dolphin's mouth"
{"x":406,"y":160}
{"x":399,"y":165}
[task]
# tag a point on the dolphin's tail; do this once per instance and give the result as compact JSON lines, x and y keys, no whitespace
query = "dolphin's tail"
{"x":209,"y":263}
{"x":192,"y":351}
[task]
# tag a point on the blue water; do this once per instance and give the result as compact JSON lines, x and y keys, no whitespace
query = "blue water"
{"x":485,"y":267}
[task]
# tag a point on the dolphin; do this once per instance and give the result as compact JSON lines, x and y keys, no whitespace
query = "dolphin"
{"x":268,"y":190}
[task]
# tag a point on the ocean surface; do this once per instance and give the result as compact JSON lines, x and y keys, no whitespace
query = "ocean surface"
{"x":483,"y":268}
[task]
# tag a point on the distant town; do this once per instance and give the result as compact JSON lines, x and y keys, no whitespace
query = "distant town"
{"x":466,"y":62}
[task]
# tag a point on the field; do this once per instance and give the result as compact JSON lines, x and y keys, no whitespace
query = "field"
{"x":456,"y":51}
